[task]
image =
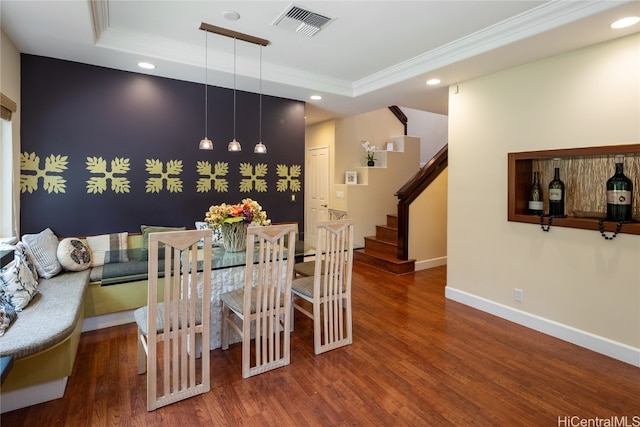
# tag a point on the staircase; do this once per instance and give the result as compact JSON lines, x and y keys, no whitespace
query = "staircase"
{"x":381,"y":250}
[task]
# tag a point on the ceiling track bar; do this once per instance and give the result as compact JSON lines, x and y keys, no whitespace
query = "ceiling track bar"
{"x":233,"y":34}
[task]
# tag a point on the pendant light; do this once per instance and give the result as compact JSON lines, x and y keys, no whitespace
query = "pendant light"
{"x":206,"y":143}
{"x":260,"y":148}
{"x":234,"y":145}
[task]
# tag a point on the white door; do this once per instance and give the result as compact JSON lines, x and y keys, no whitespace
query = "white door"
{"x":317,"y":191}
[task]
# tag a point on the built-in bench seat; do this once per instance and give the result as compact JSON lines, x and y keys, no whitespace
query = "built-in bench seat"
{"x":43,"y":341}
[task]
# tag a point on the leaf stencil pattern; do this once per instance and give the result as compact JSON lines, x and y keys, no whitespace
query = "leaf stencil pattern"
{"x":253,"y":180}
{"x":155,"y":184}
{"x":98,"y":184}
{"x":220,"y":184}
{"x":288,"y":178}
{"x":30,"y":163}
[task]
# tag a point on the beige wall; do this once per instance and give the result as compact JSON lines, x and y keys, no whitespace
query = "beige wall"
{"x":377,"y":127}
{"x":428,"y":225}
{"x":571,"y":278}
{"x":366,"y":205}
{"x":10,"y":86}
{"x":369,"y":202}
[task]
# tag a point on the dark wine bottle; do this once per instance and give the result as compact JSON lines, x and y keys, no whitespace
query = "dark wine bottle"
{"x":556,"y":195}
{"x":536,"y":201}
{"x":619,"y":194}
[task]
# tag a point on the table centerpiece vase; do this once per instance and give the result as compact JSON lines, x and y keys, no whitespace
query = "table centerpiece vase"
{"x":234,"y":236}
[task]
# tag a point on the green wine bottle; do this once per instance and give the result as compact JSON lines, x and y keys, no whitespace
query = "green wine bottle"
{"x":619,"y":194}
{"x":556,"y":195}
{"x":536,"y":201}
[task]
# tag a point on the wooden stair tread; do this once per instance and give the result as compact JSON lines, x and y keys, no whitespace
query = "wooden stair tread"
{"x":381,"y":251}
{"x":386,"y":257}
{"x":384,"y":262}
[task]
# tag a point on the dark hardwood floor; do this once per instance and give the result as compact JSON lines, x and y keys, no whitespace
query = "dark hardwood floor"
{"x":417,"y":360}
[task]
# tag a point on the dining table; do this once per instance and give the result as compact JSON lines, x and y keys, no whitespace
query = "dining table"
{"x":227,"y":274}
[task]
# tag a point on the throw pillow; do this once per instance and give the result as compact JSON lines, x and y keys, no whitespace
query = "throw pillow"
{"x":108,"y":248}
{"x":17,"y":282}
{"x":42,"y":248}
{"x":22,"y":248}
{"x":148,"y":229}
{"x":7,"y":315}
{"x":216,"y":239}
{"x":73,"y":254}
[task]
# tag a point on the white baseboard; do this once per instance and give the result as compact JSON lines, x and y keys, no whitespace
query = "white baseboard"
{"x":21,"y":398}
{"x":602,"y":345}
{"x":430,"y":263}
{"x":107,"y":320}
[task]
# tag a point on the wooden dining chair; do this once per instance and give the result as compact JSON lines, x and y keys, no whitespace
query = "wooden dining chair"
{"x":307,"y":268}
{"x":328,"y":290}
{"x":174,"y":327}
{"x":263,"y":306}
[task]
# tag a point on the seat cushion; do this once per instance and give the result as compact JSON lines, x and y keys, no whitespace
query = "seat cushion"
{"x":235,"y":300}
{"x":304,"y":286}
{"x":51,"y":316}
{"x":306,"y":268}
{"x":142,"y":313}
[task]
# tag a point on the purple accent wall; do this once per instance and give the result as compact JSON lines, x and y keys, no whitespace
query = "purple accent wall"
{"x":83,"y":111}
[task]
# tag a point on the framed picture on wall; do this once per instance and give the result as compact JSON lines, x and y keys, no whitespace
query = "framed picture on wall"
{"x":350,"y":177}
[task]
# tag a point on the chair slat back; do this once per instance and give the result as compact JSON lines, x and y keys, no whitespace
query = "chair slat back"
{"x":267,"y":294}
{"x":332,"y":283}
{"x":179,"y":311}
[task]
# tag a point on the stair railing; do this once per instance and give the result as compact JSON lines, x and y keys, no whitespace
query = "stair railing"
{"x":411,"y":190}
{"x":400,"y":116}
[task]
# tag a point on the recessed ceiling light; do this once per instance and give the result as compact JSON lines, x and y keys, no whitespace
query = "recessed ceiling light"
{"x":315,"y":97}
{"x":625,"y":22}
{"x":146,"y":65}
{"x":231,"y":15}
{"x":432,"y":82}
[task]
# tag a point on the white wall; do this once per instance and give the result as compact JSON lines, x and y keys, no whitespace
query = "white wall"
{"x":576,"y":285}
{"x":10,"y":86}
{"x":431,"y":128}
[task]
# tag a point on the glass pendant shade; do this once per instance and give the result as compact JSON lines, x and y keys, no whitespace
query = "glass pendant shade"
{"x":234,"y":146}
{"x":206,"y":144}
{"x":260,"y":148}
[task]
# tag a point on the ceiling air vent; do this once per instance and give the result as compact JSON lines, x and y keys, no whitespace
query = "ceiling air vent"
{"x":301,"y":20}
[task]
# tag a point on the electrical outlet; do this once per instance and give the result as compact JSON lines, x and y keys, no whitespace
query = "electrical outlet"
{"x":339,"y":194}
{"x":518,"y":295}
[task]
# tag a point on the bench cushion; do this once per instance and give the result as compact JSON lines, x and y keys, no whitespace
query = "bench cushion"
{"x":50,"y":317}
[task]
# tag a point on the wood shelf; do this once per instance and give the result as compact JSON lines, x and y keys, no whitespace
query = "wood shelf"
{"x":597,"y":161}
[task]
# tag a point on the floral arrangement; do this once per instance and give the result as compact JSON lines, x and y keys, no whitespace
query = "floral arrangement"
{"x":248,"y":211}
{"x":370,"y":149}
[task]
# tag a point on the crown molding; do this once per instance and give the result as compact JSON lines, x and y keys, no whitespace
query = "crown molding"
{"x":543,"y":18}
{"x":99,"y":17}
{"x":535,"y":21}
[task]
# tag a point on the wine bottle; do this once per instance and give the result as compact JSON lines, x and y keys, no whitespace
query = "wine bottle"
{"x":556,"y":195}
{"x":536,"y":201}
{"x":619,"y":194}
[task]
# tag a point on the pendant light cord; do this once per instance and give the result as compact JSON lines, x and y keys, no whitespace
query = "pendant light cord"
{"x":260,"y":141}
{"x":206,"y":101}
{"x":234,"y":88}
